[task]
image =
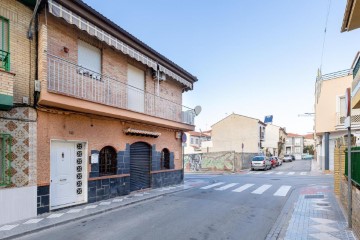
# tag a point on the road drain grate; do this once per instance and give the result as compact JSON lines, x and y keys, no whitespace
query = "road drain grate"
{"x":314,"y":196}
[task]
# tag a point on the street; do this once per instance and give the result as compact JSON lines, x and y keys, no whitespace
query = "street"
{"x":230,"y":206}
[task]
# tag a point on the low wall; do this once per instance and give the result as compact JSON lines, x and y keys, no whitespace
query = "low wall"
{"x":17,"y":204}
{"x":228,"y":161}
{"x":355,"y":205}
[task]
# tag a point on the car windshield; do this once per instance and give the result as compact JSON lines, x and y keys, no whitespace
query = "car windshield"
{"x":258,"y":158}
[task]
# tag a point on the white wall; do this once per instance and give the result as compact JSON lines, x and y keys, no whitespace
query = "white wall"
{"x":17,"y":204}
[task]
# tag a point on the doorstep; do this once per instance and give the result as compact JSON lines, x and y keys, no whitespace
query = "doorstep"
{"x":66,"y":215}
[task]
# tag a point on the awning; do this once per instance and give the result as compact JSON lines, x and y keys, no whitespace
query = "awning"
{"x":137,"y":132}
{"x":59,"y":11}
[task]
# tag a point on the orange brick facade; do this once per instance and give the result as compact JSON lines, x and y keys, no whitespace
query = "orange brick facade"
{"x":98,"y":133}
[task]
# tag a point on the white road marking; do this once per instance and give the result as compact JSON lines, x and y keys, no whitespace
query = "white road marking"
{"x":261,"y":189}
{"x":303,"y":173}
{"x":35,"y":220}
{"x":242,"y":188}
{"x":74,"y":211}
{"x":55,"y":215}
{"x":279,"y":173}
{"x":8,"y":227}
{"x":212,"y":185}
{"x":282,"y":191}
{"x":269,"y":172}
{"x":258,"y":173}
{"x":90,"y":207}
{"x":226,"y":186}
{"x":291,"y":173}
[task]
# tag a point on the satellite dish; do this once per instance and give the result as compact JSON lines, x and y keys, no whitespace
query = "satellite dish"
{"x":197,"y":110}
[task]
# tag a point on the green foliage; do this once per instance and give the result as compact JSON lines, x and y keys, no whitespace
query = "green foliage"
{"x":309,"y":149}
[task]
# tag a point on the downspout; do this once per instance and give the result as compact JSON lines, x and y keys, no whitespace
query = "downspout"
{"x":30,"y":33}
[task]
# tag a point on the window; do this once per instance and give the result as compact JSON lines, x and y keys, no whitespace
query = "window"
{"x":4,"y":44}
{"x":5,"y":154}
{"x":107,"y":161}
{"x":89,"y":57}
{"x":342,"y":106}
{"x":191,"y":140}
{"x":297,"y":150}
{"x":165,"y":159}
{"x":197,"y":141}
{"x":136,"y":89}
{"x":297,"y":141}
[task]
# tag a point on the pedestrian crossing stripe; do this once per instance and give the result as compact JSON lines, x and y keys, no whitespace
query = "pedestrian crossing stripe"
{"x":282,"y":191}
{"x":226,"y":186}
{"x":261,"y":189}
{"x":213,"y":185}
{"x":277,"y":173}
{"x":242,"y":188}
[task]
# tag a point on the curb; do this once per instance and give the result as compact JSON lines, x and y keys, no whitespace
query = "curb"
{"x":39,"y":229}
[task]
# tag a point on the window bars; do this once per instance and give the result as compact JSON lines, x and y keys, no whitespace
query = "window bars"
{"x":6,"y":158}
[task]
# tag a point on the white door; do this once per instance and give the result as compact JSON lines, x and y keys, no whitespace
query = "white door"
{"x":63,"y":174}
{"x":136,"y":87}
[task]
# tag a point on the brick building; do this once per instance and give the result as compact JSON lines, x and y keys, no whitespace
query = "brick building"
{"x":109,"y":111}
{"x":17,"y":114}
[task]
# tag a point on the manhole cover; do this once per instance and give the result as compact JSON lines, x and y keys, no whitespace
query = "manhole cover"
{"x":322,"y":204}
{"x":314,"y":196}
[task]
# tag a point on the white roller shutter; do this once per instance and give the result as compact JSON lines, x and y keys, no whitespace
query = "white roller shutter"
{"x":136,"y":87}
{"x":89,"y":56}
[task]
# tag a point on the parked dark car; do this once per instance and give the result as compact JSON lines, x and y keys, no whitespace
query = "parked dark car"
{"x":273,"y":161}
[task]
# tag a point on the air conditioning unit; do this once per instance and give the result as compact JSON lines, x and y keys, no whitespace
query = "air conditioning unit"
{"x":162,"y":76}
{"x":37,"y":87}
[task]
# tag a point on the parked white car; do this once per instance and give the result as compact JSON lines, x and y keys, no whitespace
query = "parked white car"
{"x":260,"y":162}
{"x":279,"y":160}
{"x":287,"y":158}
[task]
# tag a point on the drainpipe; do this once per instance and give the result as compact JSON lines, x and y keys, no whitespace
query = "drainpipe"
{"x":30,"y":33}
{"x":327,"y":135}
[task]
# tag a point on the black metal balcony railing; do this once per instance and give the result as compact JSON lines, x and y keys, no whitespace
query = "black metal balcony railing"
{"x":5,"y":60}
{"x":70,"y":79}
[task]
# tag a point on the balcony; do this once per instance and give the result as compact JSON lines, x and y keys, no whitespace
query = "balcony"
{"x":355,"y":120}
{"x":7,"y":82}
{"x":68,"y":79}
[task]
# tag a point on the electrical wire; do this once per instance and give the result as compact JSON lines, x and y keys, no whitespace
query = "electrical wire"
{"x":324,"y":39}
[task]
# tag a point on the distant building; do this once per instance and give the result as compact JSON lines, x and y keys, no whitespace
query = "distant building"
{"x":238,"y":133}
{"x":274,"y":140}
{"x":194,"y":141}
{"x":294,"y":145}
{"x":309,"y":140}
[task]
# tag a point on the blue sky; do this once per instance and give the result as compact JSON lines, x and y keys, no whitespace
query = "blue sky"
{"x":253,"y":58}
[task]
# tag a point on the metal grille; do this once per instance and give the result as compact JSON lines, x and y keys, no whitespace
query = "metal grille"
{"x":6,"y":154}
{"x":140,"y":159}
{"x":165,"y":159}
{"x":70,"y":79}
{"x":355,"y":165}
{"x":107,"y":161}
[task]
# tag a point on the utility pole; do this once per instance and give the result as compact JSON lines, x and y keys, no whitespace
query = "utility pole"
{"x":348,"y":125}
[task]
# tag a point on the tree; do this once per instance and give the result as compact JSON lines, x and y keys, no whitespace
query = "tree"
{"x":309,"y":149}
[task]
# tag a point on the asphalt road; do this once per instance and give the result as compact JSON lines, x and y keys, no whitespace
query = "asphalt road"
{"x":203,"y":212}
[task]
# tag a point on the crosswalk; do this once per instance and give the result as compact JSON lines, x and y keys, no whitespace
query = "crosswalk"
{"x":281,"y":191}
{"x":277,"y":173}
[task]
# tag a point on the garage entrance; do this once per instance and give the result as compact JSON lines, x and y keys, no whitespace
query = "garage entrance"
{"x":140,"y":160}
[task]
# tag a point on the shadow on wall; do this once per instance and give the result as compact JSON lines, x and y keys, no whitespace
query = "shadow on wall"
{"x":217,"y":161}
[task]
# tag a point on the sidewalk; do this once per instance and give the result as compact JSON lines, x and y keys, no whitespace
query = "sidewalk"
{"x":316,"y":215}
{"x":63,"y":216}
